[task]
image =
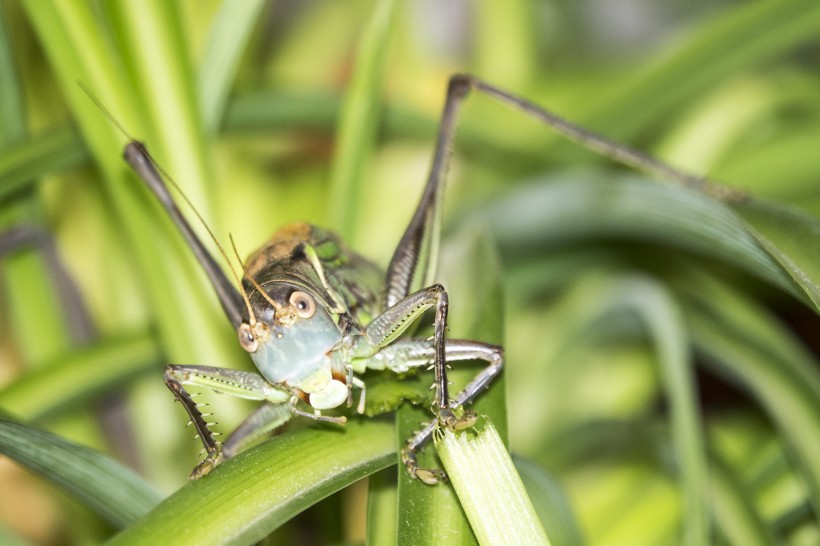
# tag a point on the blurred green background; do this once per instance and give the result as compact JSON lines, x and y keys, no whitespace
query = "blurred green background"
{"x":661,"y":378}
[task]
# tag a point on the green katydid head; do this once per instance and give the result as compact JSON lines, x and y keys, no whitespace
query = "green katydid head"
{"x":272,"y":309}
{"x":288,"y":333}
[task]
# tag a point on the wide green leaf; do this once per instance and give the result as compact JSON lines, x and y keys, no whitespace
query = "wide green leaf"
{"x":249,"y":496}
{"x":583,"y":206}
{"x":105,"y":486}
{"x":495,"y":502}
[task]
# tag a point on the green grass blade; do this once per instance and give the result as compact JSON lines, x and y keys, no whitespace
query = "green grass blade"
{"x":156,"y":55}
{"x":792,"y":238}
{"x":587,"y":205}
{"x":489,"y":487}
{"x":766,"y":240}
{"x":470,"y":268}
{"x":507,"y":22}
{"x":746,"y":35}
{"x":788,"y":391}
{"x":31,"y":289}
{"x":663,"y":321}
{"x":78,"y":375}
{"x":79,"y":50}
{"x":32,"y":295}
{"x":24,"y":163}
{"x":550,"y":503}
{"x":249,"y":496}
{"x":12,"y":118}
{"x":381,"y":507}
{"x":359,"y":119}
{"x":228,"y":36}
{"x":427,"y":514}
{"x":733,"y":510}
{"x":281,"y":110}
{"x":105,"y":486}
{"x":660,"y":317}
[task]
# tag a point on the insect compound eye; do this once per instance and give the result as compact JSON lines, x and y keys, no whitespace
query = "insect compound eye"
{"x":246,"y":338}
{"x":303,"y":304}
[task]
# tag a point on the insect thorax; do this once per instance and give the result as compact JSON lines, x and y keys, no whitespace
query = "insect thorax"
{"x":315,"y":260}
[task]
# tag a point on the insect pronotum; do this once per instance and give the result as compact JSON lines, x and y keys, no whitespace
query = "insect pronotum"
{"x":314,"y":315}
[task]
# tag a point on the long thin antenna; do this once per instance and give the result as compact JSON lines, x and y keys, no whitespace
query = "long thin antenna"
{"x":148,"y":170}
{"x":242,"y":288}
{"x":251,"y":279}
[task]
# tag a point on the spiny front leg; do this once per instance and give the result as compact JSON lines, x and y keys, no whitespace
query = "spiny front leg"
{"x":213,"y":453}
{"x":233,"y":382}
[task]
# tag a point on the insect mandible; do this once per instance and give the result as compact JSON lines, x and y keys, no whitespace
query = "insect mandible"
{"x":314,"y":315}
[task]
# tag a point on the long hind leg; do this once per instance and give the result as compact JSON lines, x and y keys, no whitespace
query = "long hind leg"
{"x":412,"y":266}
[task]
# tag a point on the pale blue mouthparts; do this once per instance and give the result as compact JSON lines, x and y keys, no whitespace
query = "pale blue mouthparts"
{"x":291,"y":354}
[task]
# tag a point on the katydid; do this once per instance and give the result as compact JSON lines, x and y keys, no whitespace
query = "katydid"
{"x":314,"y":315}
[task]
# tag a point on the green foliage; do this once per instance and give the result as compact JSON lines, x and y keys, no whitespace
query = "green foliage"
{"x":662,"y":382}
{"x":108,"y":488}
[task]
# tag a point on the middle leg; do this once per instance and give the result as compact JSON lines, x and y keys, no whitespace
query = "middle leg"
{"x":404,"y":355}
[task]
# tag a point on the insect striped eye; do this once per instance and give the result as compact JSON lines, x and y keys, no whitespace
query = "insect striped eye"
{"x":303,"y":304}
{"x":246,"y":338}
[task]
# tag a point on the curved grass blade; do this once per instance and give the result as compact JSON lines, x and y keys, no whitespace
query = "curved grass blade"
{"x":109,"y":489}
{"x":733,"y":510}
{"x":788,"y":389}
{"x":228,"y":36}
{"x":27,"y":161}
{"x":79,"y":374}
{"x":249,"y":496}
{"x":557,"y":210}
{"x":661,"y":317}
{"x":359,"y":118}
{"x":790,"y":237}
{"x":747,"y":35}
